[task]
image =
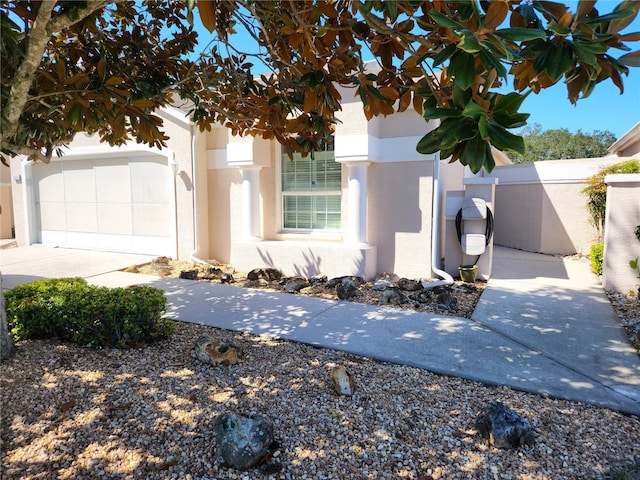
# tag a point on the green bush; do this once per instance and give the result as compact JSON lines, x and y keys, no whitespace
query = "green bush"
{"x":70,"y":309}
{"x":596,"y":256}
{"x":596,"y":190}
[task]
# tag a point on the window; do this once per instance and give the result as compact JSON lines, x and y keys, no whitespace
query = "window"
{"x":311,"y":190}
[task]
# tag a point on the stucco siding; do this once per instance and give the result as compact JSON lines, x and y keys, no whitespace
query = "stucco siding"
{"x":400,"y":198}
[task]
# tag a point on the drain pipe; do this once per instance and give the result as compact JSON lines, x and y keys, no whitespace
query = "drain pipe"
{"x":435,"y":232}
{"x":196,"y":211}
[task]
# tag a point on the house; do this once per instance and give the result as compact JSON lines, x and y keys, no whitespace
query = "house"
{"x":362,"y":206}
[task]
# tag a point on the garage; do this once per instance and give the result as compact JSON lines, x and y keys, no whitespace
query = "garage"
{"x":122,"y":203}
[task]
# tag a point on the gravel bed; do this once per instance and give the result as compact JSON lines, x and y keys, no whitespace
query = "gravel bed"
{"x":73,"y":413}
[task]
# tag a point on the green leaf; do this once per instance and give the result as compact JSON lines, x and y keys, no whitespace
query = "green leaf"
{"x":490,"y":62}
{"x":391,"y":7}
{"x":445,"y":54}
{"x":585,"y":55}
{"x":455,"y":131}
{"x":558,"y":29}
{"x":443,"y":20}
{"x":615,"y":15}
{"x":461,"y":96}
{"x":510,"y":103}
{"x":469,"y":42}
{"x":511,"y":120}
{"x":504,"y":140}
{"x":462,"y":67}
{"x":517,"y":34}
{"x":430,"y":143}
{"x":631,"y":59}
{"x":433,"y":113}
{"x":473,"y":110}
{"x":560,"y":60}
{"x":474,"y":153}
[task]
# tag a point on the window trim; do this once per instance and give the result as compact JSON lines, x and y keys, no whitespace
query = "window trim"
{"x":307,"y":233}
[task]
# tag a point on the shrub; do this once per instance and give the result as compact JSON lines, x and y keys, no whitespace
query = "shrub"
{"x":596,"y":190}
{"x":596,"y":256}
{"x":70,"y":309}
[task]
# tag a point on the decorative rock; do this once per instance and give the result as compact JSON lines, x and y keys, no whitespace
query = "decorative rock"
{"x":312,"y":290}
{"x":318,"y":280}
{"x":392,"y":297}
{"x":132,"y":269}
{"x":226,"y":278}
{"x":424,"y":296}
{"x":342,"y":381}
{"x":189,"y":274}
{"x":503,"y":427}
{"x":446,"y":300}
{"x":346,"y":289}
{"x":382,"y":284}
{"x":409,"y":285}
{"x":334,"y":282}
{"x":390,"y":277}
{"x":269,"y":274}
{"x":294,"y":285}
{"x":243,"y":441}
{"x":215,"y":352}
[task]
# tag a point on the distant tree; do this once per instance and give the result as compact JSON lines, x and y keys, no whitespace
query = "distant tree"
{"x":560,"y":144}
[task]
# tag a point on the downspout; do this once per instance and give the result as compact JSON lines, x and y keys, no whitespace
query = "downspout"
{"x":196,"y":211}
{"x":435,"y":232}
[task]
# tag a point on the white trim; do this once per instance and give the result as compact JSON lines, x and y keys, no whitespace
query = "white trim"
{"x":28,"y":201}
{"x":622,"y":178}
{"x":217,"y":159}
{"x":629,"y":138}
{"x":177,"y":116}
{"x":107,"y":151}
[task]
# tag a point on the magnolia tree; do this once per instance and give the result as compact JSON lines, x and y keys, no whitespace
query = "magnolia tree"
{"x":104,"y":66}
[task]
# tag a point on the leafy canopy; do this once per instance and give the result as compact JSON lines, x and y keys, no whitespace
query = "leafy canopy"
{"x":559,"y":144}
{"x":104,"y":66}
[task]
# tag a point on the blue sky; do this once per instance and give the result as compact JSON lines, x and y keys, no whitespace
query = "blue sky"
{"x":604,"y":109}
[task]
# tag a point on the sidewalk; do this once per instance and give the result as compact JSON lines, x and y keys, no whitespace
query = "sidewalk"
{"x":543,"y":324}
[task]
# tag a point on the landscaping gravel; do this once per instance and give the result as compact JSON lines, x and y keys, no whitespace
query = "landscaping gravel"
{"x":71,"y":413}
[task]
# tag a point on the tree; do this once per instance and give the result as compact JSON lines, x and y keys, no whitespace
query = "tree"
{"x":559,"y":144}
{"x":447,"y":58}
{"x":104,"y":66}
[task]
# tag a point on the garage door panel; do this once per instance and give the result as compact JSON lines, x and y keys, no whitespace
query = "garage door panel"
{"x":81,"y":217}
{"x":146,"y":175}
{"x":150,"y":220}
{"x":118,"y":204}
{"x":115,"y":218}
{"x":79,"y":181}
{"x":50,"y":182}
{"x":52,"y":216}
{"x":113,"y":181}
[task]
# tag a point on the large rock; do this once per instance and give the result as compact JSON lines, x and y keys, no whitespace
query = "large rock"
{"x":346,"y":289}
{"x":268,"y":274}
{"x":391,"y":297}
{"x":294,"y":285}
{"x":215,"y":352}
{"x":503,"y":427}
{"x":409,"y":285}
{"x":342,"y":381}
{"x":242,"y":441}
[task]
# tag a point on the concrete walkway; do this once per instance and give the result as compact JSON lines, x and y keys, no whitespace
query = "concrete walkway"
{"x":543,"y":324}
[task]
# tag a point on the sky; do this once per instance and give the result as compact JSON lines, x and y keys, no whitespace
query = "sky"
{"x":604,"y":110}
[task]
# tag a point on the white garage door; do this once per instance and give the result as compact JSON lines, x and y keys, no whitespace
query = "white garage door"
{"x":121,"y":204}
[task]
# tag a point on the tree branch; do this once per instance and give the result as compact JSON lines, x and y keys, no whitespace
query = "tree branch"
{"x":22,"y":150}
{"x":38,"y":37}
